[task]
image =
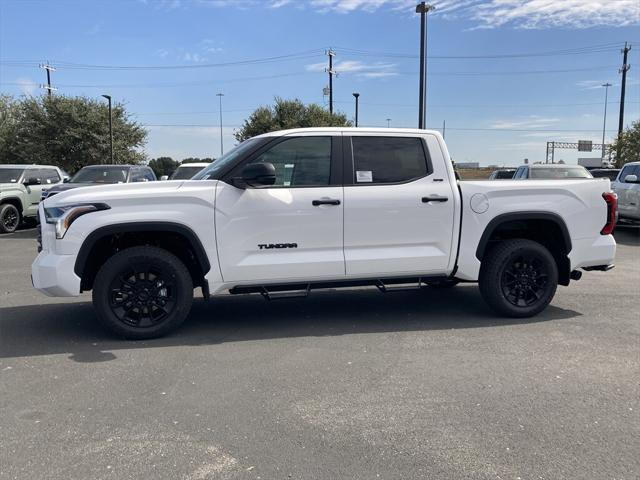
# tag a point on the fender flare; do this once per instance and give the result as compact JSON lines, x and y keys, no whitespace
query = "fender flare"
{"x":141,"y":227}
{"x":522,"y":216}
{"x":4,"y":200}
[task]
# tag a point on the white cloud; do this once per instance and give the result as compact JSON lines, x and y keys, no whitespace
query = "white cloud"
{"x":193,"y":57}
{"x":527,"y":14}
{"x":26,"y":85}
{"x":162,"y":52}
{"x":529,"y":122}
{"x":594,"y":84}
{"x":358,"y":68}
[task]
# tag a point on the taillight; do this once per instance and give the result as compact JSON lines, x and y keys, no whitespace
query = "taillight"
{"x":612,"y":213}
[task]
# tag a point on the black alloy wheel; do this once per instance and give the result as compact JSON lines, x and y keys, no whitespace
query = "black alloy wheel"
{"x":9,"y":218}
{"x":142,"y":292}
{"x":142,"y":296}
{"x":525,"y":280}
{"x":518,"y":278}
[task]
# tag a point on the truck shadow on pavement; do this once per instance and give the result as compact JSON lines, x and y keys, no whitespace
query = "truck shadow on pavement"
{"x":72,"y":328}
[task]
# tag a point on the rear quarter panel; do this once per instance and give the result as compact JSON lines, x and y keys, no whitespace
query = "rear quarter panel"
{"x":578,"y":202}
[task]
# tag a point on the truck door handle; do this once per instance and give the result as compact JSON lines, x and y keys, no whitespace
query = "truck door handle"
{"x":434,"y":198}
{"x":327,"y":201}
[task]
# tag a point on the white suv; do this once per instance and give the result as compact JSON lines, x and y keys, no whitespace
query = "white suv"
{"x":627,"y":186}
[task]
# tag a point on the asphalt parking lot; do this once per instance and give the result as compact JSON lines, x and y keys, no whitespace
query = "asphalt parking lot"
{"x":345,"y":384}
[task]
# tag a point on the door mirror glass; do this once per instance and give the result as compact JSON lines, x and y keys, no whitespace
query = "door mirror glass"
{"x":65,"y":180}
{"x":259,"y":174}
{"x":631,"y":179}
{"x":32,"y":181}
{"x":164,"y":177}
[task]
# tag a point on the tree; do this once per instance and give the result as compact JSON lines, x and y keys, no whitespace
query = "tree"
{"x":69,"y":132}
{"x":197,"y":160}
{"x":627,"y":145}
{"x":163,"y":166}
{"x":286,"y":114}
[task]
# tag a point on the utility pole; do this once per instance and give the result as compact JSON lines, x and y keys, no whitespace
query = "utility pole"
{"x":388,"y":122}
{"x":331,"y":73}
{"x":623,"y":70}
{"x":49,"y":69}
{"x":108,"y":97}
{"x":220,"y":95}
{"x":604,"y":123}
{"x":423,"y":8}
{"x":444,"y":128}
{"x":356,"y":95}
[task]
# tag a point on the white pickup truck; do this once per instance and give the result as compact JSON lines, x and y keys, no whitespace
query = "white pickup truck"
{"x":290,"y":211}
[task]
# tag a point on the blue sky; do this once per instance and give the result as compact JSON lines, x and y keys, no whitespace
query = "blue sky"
{"x":506,"y":75}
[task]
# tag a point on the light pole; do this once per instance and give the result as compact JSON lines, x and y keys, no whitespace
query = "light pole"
{"x":604,"y":121}
{"x":356,"y":95}
{"x":423,"y":8}
{"x":388,"y":122}
{"x":108,"y":97}
{"x":220,"y":95}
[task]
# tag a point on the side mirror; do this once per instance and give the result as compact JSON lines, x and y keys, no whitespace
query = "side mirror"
{"x":164,"y":177}
{"x":631,"y":179}
{"x":259,"y":174}
{"x":32,"y":181}
{"x":66,"y":179}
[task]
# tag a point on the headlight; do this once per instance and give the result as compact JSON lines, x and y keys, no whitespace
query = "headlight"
{"x":63,"y":217}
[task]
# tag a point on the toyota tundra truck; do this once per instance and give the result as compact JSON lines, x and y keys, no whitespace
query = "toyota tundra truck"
{"x":288,"y":212}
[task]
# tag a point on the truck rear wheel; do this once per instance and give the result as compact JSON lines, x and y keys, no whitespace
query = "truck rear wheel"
{"x":9,"y":218}
{"x":142,"y":292}
{"x":518,"y":278}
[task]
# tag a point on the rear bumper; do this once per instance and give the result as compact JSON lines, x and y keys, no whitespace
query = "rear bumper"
{"x":53,"y":275}
{"x":593,"y":252}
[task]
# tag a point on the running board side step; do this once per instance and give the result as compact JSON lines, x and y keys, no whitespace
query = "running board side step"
{"x":267,"y":295}
{"x":299,"y":290}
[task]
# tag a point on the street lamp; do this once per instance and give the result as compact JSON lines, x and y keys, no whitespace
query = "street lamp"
{"x":604,"y":122}
{"x":220,"y":95}
{"x":423,"y":8}
{"x":108,"y":97}
{"x":388,"y":122}
{"x":356,"y":95}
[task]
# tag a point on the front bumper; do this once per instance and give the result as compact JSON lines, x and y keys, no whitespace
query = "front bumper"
{"x":53,"y":275}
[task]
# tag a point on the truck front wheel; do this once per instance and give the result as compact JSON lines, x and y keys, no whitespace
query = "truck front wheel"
{"x":518,"y":278}
{"x":142,"y":292}
{"x":9,"y":218}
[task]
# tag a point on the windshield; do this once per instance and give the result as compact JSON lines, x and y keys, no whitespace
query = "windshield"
{"x":505,"y":174}
{"x":100,"y":175}
{"x":185,"y":173}
{"x":219,"y":165}
{"x":10,"y":175}
{"x":560,"y":172}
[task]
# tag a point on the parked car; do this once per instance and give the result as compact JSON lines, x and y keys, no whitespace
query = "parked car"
{"x":627,"y":186}
{"x":185,"y":171}
{"x":551,"y":171}
{"x":20,"y":192}
{"x":610,"y":173}
{"x":287,"y":212}
{"x":502,"y":174}
{"x":103,"y":175}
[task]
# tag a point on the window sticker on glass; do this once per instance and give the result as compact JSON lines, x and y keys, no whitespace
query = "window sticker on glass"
{"x":364,"y":176}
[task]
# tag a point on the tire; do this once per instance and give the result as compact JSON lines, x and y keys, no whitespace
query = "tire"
{"x":518,"y":278}
{"x":9,"y":218}
{"x":142,"y":292}
{"x":448,"y":283}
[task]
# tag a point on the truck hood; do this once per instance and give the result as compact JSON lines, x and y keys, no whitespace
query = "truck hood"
{"x":5,"y":187}
{"x":121,"y":193}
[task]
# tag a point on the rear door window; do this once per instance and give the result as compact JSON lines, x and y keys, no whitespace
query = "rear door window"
{"x":49,"y":176}
{"x":381,"y":160}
